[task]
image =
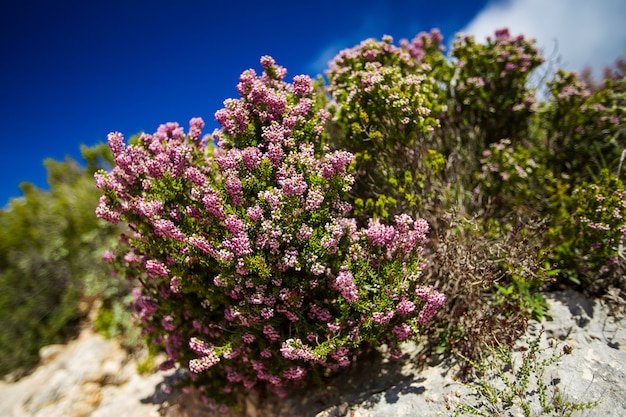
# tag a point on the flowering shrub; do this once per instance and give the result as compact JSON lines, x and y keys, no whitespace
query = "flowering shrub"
{"x":584,"y":128}
{"x":578,"y":133}
{"x":385,"y":106}
{"x":418,"y":122}
{"x":251,"y":272}
{"x":589,"y":236}
{"x":490,"y":92}
{"x":512,"y":178}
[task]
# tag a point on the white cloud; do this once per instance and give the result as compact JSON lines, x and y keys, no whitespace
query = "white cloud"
{"x":581,"y":32}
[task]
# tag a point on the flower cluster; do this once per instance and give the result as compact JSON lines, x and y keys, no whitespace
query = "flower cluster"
{"x":251,"y":272}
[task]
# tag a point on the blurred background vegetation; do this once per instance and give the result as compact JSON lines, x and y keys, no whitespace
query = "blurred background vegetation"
{"x":51,"y":270}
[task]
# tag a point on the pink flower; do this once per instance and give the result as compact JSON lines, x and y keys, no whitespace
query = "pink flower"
{"x":302,"y":85}
{"x":382,"y":318}
{"x":104,"y":212}
{"x":379,"y":234}
{"x":108,"y":256}
{"x":168,"y":323}
{"x":234,"y":188}
{"x":402,"y":331}
{"x":294,"y":373}
{"x":405,"y":307}
{"x":346,"y":286}
{"x":294,"y":185}
{"x":305,"y":232}
{"x":196,"y":124}
{"x":502,"y":34}
{"x":294,"y":349}
{"x":156,"y":268}
{"x":200,"y":346}
{"x":341,"y":356}
{"x":255,"y":213}
{"x":202,"y":364}
{"x":434,"y":300}
{"x":168,"y":229}
{"x":251,"y":157}
{"x":234,"y":224}
{"x":270,"y":333}
{"x":194,"y":175}
{"x":319,"y":313}
{"x":395,"y":354}
{"x":175,"y":285}
{"x":333,"y":327}
{"x":248,"y":338}
{"x":203,"y":245}
{"x":335,"y":163}
{"x":314,"y":198}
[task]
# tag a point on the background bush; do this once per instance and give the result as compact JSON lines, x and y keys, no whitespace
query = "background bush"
{"x":51,"y":269}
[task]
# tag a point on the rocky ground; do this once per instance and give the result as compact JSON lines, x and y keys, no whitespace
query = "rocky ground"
{"x":92,"y":376}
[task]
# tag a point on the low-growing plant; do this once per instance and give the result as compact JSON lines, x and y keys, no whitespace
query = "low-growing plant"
{"x":512,"y":179}
{"x":575,"y":141}
{"x":508,"y":382}
{"x":251,"y":273}
{"x":491,"y":91}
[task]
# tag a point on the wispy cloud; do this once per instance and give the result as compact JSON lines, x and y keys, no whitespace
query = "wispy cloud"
{"x":582,"y":33}
{"x":372,"y":24}
{"x":320,"y":63}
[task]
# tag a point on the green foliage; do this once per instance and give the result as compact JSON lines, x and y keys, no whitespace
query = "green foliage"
{"x":50,"y":260}
{"x":512,"y":178}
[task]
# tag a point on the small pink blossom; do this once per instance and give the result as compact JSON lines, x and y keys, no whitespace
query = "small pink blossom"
{"x":196,"y":124}
{"x":382,"y":318}
{"x":202,"y":364}
{"x":405,"y":307}
{"x":156,"y":268}
{"x":294,"y":349}
{"x":294,"y":373}
{"x":402,"y":331}
{"x":108,"y":256}
{"x":346,"y":285}
{"x":270,"y":333}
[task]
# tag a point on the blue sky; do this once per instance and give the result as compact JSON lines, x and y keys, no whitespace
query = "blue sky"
{"x":74,"y":70}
